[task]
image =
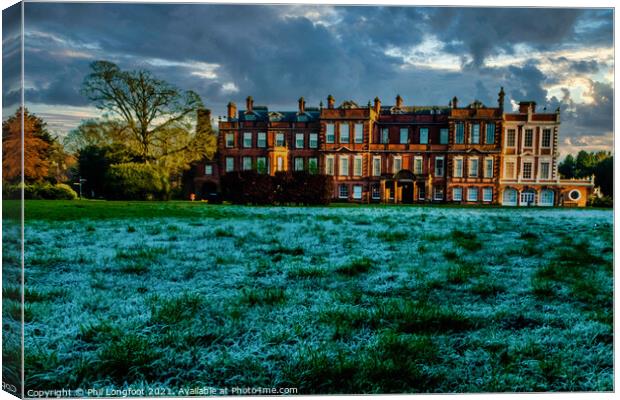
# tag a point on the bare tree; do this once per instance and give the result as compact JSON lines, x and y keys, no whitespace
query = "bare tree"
{"x":157,"y":117}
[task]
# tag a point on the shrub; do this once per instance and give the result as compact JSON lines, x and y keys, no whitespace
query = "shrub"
{"x":40,"y":191}
{"x":250,"y":187}
{"x":605,"y":201}
{"x":133,"y":181}
{"x":355,"y":267}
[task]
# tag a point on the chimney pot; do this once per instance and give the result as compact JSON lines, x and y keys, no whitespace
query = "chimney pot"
{"x":302,"y":105}
{"x":249,"y":103}
{"x":232,"y":111}
{"x":330,"y":101}
{"x":399,"y":101}
{"x":377,"y":105}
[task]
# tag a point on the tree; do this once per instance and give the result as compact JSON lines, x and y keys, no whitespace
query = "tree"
{"x":35,"y":147}
{"x":566,"y":168}
{"x":156,"y":117}
{"x":604,"y":176}
{"x":94,"y":163}
{"x":585,"y":164}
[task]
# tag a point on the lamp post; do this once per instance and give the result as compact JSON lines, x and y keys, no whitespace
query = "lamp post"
{"x":79,"y":183}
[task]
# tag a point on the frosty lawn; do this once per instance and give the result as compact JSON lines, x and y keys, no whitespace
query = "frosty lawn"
{"x":327,"y":300}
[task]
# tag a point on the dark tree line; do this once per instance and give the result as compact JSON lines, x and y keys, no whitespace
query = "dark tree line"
{"x":586,"y":164}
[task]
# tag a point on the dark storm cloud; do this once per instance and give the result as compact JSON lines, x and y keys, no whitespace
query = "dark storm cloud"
{"x":278,"y":53}
{"x":484,"y":31}
{"x":11,"y":56}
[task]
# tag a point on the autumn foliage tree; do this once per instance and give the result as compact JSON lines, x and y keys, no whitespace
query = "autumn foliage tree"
{"x":36,"y":148}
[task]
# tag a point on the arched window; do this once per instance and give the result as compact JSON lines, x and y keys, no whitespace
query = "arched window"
{"x":510,"y":197}
{"x":546,"y":198}
{"x":528,"y":197}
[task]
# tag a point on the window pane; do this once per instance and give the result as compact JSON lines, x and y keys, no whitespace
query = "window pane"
{"x":457,"y":194}
{"x":488,"y":168}
{"x":299,"y":140}
{"x":279,"y":139}
{"x":404,"y":136}
{"x":230,"y":140}
{"x":357,"y":166}
{"x":510,"y":138}
{"x":344,"y":133}
{"x":473,"y":167}
{"x":314,"y":140}
{"x":329,"y":135}
{"x":247,"y":163}
{"x":439,"y":166}
{"x":527,"y":170}
{"x":460,"y":133}
{"x":472,"y":194}
{"x":313,"y":165}
{"x":262,"y":139}
{"x":490,"y":139}
{"x":344,"y":166}
{"x":544,"y":170}
{"x":359,"y":133}
{"x":397,"y":164}
{"x":357,"y":192}
{"x":475,"y":133}
{"x":247,"y":139}
{"x":443,"y":136}
{"x":376,"y":166}
{"x":487,"y":194}
{"x":329,"y":166}
{"x":261,"y":165}
{"x":230,"y":164}
{"x":529,"y":134}
{"x":546,"y":138}
{"x":385,"y":136}
{"x":458,"y":168}
{"x":417,"y":166}
{"x":208,"y":169}
{"x":423,"y":135}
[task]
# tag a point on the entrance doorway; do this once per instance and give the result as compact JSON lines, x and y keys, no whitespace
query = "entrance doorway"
{"x":407,"y":191}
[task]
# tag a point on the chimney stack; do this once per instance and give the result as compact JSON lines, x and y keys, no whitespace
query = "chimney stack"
{"x":302,"y":105}
{"x":455,"y":102}
{"x":527,"y":107}
{"x":500,"y":98}
{"x":330,"y":101}
{"x":399,"y":101}
{"x":232,"y":111}
{"x":249,"y":103}
{"x":377,"y":105}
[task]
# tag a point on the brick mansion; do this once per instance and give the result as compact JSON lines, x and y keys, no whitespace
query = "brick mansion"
{"x":472,"y":154}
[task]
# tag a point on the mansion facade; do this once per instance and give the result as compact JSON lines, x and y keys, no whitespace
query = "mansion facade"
{"x":402,"y":154}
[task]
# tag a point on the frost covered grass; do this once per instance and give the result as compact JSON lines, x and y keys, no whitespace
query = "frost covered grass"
{"x":328,"y":300}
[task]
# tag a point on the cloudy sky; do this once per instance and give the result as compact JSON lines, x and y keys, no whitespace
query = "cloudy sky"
{"x":556,"y":57}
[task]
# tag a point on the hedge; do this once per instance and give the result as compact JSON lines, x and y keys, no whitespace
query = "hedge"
{"x":250,"y":187}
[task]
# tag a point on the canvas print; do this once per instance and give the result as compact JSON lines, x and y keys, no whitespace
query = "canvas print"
{"x":226,"y":199}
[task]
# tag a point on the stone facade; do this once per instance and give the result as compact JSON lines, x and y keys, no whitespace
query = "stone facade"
{"x":401,"y":154}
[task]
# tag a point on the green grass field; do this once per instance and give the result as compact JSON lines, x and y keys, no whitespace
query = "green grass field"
{"x":326,"y":300}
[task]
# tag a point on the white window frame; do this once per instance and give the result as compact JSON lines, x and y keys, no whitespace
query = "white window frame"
{"x":280,"y":143}
{"x":404,"y":134}
{"x":472,"y":194}
{"x":343,"y":166}
{"x":416,"y":170}
{"x":376,"y":161}
{"x":208,"y":169}
{"x":343,"y":194}
{"x":313,"y":140}
{"x":514,"y":168}
{"x":261,"y":139}
{"x":441,"y":172}
{"x":358,"y":133}
{"x":486,"y":191}
{"x":470,"y":162}
{"x":385,"y":136}
{"x":296,"y":163}
{"x":330,"y":133}
{"x":456,"y":173}
{"x":329,"y":165}
{"x":458,"y":197}
{"x":525,"y":136}
{"x":488,"y":172}
{"x":471,"y":133}
{"x":280,"y":163}
{"x":542,"y":136}
{"x":299,"y":140}
{"x":244,"y":165}
{"x":423,"y":135}
{"x":400,"y":163}
{"x":346,"y":129}
{"x":357,"y":189}
{"x":542,"y":161}
{"x":514,"y":138}
{"x":456,"y":132}
{"x":357,"y":162}
{"x":527,"y":161}
{"x":230,"y":164}
{"x":247,"y":136}
{"x":542,"y":195}
{"x":230,"y":140}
